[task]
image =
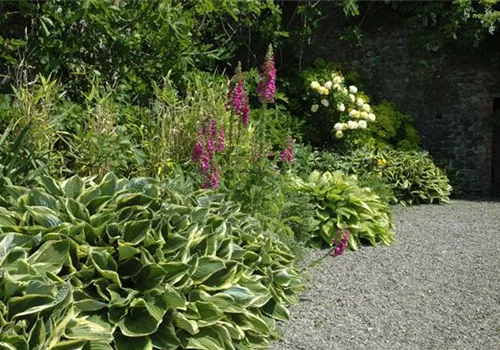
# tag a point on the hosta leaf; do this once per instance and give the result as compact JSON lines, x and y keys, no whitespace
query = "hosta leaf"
{"x":73,"y":186}
{"x":134,"y":232}
{"x":149,"y":276}
{"x":174,"y":298}
{"x":50,"y":257}
{"x":241,"y":295}
{"x":38,"y":303}
{"x":165,"y":337}
{"x":249,"y":321}
{"x":207,"y":266}
{"x":77,"y":210}
{"x":142,"y":319}
{"x":90,"y":305}
{"x":135,"y":343}
{"x":277,"y":310}
{"x":97,"y":345}
{"x":128,"y":200}
{"x":126,"y":252}
{"x":198,"y":216}
{"x":182,"y":322}
{"x":51,"y":186}
{"x":175,"y":271}
{"x":15,"y":191}
{"x":44,"y":216}
{"x":37,"y":198}
{"x":70,"y":345}
{"x":106,"y":266}
{"x":36,"y":338}
{"x":88,"y":194}
{"x":15,"y":342}
{"x":85,"y":329}
{"x":282,"y":277}
{"x":221,"y":279}
{"x":206,"y":339}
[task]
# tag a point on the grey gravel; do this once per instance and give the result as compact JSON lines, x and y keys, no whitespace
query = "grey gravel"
{"x":436,"y":287}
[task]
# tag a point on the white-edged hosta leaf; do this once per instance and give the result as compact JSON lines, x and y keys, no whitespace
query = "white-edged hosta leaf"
{"x":51,"y":185}
{"x":134,"y":232}
{"x":73,"y":186}
{"x":165,"y":337}
{"x":141,"y":320}
{"x":175,"y":271}
{"x":69,"y":345}
{"x":84,"y":329}
{"x":135,"y":343}
{"x":36,"y":338}
{"x":180,"y":321}
{"x":77,"y":210}
{"x":50,"y":257}
{"x":207,"y":266}
{"x":44,"y":216}
{"x":205,"y":339}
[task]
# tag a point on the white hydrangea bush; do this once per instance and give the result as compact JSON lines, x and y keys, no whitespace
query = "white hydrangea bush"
{"x":348,"y":106}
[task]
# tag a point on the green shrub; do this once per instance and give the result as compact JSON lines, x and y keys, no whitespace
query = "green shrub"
{"x":134,"y":264}
{"x":394,"y":128}
{"x":411,"y":175}
{"x":340,"y":203}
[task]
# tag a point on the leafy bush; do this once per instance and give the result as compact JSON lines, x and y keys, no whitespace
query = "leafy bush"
{"x":340,"y":203}
{"x":131,"y":43}
{"x":411,"y":175}
{"x":394,"y":128}
{"x":133,"y":264}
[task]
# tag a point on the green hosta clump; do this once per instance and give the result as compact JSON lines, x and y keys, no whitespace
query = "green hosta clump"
{"x":131,"y":264}
{"x":412,"y":175}
{"x":341,"y":203}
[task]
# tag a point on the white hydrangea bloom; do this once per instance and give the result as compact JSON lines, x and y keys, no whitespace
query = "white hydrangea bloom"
{"x":363,"y":115}
{"x":345,"y":126}
{"x":351,"y":124}
{"x":353,"y":89}
{"x":315,"y":85}
{"x":336,"y":86}
{"x":325,"y":102}
{"x":371,"y":117}
{"x":328,"y":84}
{"x":338,"y":126}
{"x":362,"y":124}
{"x":314,"y":108}
{"x":337,"y":79}
{"x":352,"y":97}
{"x":360,"y":102}
{"x":366,"y":107}
{"x":339,"y":134}
{"x":340,"y":107}
{"x":353,"y":113}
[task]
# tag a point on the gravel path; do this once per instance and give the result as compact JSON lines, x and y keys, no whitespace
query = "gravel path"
{"x":436,"y":287}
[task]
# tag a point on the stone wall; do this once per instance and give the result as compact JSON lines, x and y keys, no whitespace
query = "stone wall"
{"x":447,"y":92}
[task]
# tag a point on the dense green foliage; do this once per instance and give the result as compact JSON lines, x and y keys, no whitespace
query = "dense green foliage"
{"x":340,"y":203}
{"x":130,"y":44}
{"x":148,"y":201}
{"x":134,"y":264}
{"x":412,"y":176}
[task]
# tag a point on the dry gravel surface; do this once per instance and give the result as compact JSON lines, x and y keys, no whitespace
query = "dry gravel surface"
{"x":436,"y":287}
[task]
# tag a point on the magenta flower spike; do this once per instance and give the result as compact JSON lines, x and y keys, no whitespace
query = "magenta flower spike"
{"x":342,"y":246}
{"x":237,"y":99}
{"x":267,"y":83}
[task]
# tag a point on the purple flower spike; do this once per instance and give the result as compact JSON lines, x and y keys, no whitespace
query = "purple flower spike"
{"x":340,"y":249}
{"x":267,"y":83}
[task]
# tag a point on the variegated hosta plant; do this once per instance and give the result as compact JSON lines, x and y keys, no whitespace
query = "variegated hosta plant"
{"x":341,"y":203}
{"x":131,"y":264}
